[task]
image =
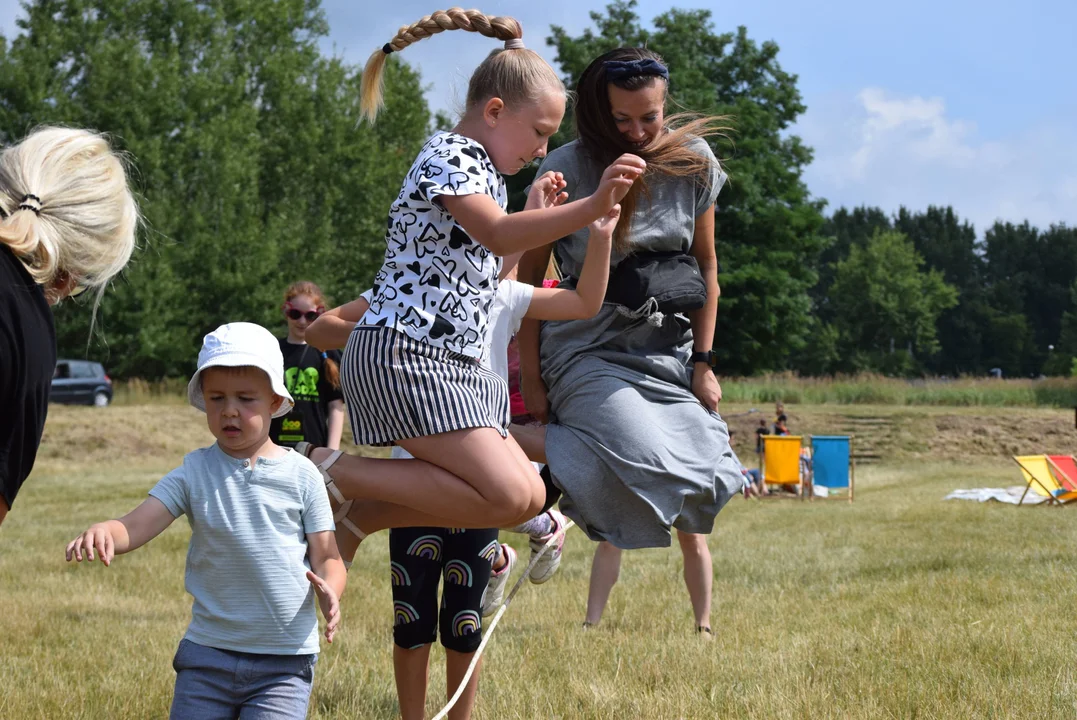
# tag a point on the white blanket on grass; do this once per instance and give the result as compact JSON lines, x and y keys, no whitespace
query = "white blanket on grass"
{"x":1010,"y":495}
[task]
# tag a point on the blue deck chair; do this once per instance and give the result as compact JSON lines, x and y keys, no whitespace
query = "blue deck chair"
{"x":832,"y":466}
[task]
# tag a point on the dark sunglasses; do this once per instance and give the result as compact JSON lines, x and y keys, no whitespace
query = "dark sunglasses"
{"x":310,"y":315}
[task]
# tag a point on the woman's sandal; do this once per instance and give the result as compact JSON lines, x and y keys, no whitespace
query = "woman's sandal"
{"x":704,"y":632}
{"x":341,"y":515}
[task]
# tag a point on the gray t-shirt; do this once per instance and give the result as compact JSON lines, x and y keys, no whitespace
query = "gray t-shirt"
{"x":247,"y":560}
{"x":665,"y":218}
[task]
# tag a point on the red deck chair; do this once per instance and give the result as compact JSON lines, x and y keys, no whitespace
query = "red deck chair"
{"x":1065,"y":468}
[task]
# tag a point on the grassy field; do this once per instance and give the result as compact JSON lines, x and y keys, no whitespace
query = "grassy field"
{"x":898,"y":606}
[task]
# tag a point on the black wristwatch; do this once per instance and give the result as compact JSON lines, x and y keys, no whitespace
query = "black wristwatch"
{"x":705,"y":356}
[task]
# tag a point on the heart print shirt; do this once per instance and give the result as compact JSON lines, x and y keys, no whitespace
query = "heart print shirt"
{"x":437,"y":284}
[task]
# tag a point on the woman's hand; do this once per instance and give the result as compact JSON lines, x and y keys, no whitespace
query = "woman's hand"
{"x":705,"y":387}
{"x":616,"y":182}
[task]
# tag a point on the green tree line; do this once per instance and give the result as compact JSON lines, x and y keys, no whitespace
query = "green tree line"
{"x":253,"y":171}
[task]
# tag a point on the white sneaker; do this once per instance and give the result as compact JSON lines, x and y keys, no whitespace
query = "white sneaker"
{"x":547,"y":565}
{"x":494,"y":594}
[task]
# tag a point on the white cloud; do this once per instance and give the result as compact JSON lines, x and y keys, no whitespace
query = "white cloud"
{"x":879,"y":148}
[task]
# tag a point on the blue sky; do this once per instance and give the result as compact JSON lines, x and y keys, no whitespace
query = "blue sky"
{"x":972,"y":104}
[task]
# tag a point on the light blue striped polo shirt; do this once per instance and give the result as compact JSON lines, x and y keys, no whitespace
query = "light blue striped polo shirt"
{"x":247,"y":560}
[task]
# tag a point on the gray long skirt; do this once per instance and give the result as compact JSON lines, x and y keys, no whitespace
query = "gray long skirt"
{"x":632,"y":448}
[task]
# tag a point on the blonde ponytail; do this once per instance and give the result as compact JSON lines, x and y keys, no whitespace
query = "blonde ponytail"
{"x":68,"y":211}
{"x":508,"y":29}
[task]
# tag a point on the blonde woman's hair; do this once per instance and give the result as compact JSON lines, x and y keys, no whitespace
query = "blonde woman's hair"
{"x":514,"y":74}
{"x":67,"y":209}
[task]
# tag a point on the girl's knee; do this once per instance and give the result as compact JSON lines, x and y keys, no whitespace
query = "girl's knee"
{"x":516,"y":498}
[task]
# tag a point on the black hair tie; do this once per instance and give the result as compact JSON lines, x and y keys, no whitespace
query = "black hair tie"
{"x":387,"y":48}
{"x":24,"y":205}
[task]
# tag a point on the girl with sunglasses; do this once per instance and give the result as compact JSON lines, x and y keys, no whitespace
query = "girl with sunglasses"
{"x":311,"y":376}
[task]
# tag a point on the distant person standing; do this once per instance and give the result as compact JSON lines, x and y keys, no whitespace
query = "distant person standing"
{"x":779,"y":417}
{"x":760,"y":432}
{"x":311,"y":376}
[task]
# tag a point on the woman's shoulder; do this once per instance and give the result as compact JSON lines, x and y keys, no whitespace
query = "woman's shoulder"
{"x":700,"y":146}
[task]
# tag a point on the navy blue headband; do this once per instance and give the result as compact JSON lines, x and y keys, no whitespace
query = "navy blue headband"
{"x":621,"y":69}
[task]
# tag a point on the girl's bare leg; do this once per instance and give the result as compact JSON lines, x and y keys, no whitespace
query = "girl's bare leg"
{"x":500,"y":487}
{"x":456,"y":665}
{"x":411,"y":668}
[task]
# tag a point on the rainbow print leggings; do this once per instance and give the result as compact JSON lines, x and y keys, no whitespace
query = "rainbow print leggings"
{"x":418,"y":558}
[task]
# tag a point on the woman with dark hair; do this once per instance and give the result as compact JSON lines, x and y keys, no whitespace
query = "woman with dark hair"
{"x":635,"y":440}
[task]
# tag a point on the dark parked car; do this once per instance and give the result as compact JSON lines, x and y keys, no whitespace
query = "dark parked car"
{"x":82,"y":382}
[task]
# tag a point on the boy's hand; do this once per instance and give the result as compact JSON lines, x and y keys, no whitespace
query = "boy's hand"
{"x":546,"y":191}
{"x":97,"y":537}
{"x":603,"y":227}
{"x":329,"y":603}
{"x":617,"y":181}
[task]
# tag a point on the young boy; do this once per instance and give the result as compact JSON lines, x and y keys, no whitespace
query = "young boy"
{"x":260,"y":521}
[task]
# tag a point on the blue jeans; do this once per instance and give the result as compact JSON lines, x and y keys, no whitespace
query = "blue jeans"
{"x":214,"y":684}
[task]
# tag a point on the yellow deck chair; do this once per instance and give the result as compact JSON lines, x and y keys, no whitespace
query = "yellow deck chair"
{"x":781,"y":461}
{"x":1040,"y":479}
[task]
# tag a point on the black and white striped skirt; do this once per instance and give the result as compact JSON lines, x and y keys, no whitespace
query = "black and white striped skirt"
{"x":396,"y":388}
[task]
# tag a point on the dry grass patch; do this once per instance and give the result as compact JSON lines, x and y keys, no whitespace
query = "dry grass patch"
{"x":899,"y":605}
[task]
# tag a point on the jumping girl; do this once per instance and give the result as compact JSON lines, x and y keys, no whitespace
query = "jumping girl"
{"x":411,"y":373}
{"x":475,"y":566}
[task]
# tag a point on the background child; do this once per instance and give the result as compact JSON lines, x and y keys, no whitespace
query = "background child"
{"x":260,"y":521}
{"x":411,"y":373}
{"x":311,"y":376}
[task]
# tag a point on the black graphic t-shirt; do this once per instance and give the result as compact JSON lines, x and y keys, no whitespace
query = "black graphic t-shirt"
{"x":304,"y":376}
{"x":437,"y":284}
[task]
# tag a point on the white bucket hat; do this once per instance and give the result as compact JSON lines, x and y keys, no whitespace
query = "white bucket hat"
{"x":236,"y":345}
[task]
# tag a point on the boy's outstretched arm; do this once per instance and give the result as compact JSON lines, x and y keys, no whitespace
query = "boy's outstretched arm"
{"x":116,"y":537}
